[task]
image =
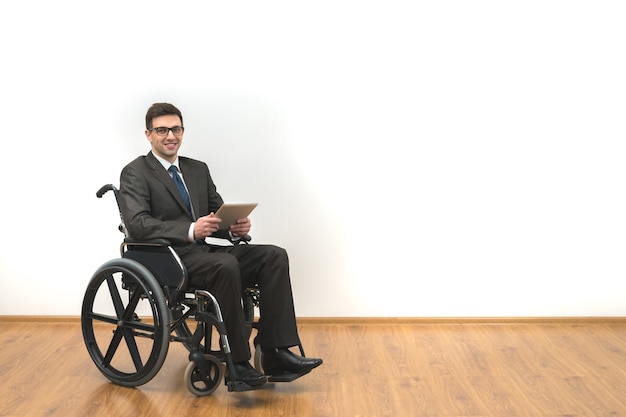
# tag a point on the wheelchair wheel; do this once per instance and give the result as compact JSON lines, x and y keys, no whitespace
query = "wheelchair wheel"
{"x":204,"y":385}
{"x":125,"y":322}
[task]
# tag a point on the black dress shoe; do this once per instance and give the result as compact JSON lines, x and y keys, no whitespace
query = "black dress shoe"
{"x":244,"y":372}
{"x":283,"y":361}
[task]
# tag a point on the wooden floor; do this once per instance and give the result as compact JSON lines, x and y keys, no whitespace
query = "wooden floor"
{"x":533,"y":368}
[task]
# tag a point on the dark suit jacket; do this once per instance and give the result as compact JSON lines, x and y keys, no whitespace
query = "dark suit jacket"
{"x":151,"y":205}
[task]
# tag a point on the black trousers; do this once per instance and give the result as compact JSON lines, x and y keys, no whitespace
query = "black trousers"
{"x":225,"y":270}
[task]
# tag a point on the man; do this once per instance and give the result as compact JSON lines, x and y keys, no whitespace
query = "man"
{"x":164,"y":195}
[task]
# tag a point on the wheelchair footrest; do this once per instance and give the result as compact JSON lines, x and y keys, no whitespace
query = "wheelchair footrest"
{"x":286,"y":377}
{"x":239,"y":386}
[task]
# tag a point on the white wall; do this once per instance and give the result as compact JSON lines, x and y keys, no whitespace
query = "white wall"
{"x":441,"y":158}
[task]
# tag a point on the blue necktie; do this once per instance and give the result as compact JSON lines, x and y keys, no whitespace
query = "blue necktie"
{"x":181,"y":187}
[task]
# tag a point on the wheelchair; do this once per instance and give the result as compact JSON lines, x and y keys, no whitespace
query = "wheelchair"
{"x":136,"y":304}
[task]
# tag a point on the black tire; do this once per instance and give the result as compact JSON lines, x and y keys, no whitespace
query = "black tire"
{"x":248,"y":308}
{"x":258,"y":359}
{"x":124,"y":302}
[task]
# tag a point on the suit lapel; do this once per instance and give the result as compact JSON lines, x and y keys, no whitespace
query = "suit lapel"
{"x":164,"y":177}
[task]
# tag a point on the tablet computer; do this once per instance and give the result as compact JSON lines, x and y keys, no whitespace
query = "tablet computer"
{"x":231,"y":212}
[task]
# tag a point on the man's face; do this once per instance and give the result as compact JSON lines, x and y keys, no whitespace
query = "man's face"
{"x":165,"y":146}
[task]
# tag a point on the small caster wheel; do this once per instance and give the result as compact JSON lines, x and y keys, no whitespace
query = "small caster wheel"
{"x":200,"y":385}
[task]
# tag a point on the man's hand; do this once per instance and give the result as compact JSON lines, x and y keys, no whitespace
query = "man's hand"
{"x":206,"y":226}
{"x":241,"y":227}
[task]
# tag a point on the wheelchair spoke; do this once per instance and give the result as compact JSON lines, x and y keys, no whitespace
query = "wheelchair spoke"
{"x":132,"y":324}
{"x":128,"y":333}
{"x":115,"y":297}
{"x":132,"y":348}
{"x":126,"y":321}
{"x":101,"y":317}
{"x":115,"y":342}
{"x":128,"y":316}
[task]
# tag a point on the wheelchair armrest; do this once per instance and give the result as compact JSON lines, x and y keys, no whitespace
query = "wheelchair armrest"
{"x":166,"y":243}
{"x":151,"y":242}
{"x":244,"y":239}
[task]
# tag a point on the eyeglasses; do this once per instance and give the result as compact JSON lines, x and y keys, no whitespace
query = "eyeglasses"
{"x":163,"y":131}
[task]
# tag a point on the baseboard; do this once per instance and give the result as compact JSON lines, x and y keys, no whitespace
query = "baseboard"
{"x":375,"y":320}
{"x":42,"y":319}
{"x":461,"y":320}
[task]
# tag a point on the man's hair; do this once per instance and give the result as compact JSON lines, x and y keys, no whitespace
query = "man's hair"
{"x":161,"y":109}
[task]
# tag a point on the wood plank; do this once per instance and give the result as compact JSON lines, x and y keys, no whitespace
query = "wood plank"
{"x":394,"y":368}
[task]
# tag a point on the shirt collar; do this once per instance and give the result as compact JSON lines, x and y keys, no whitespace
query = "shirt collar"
{"x":166,"y":164}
